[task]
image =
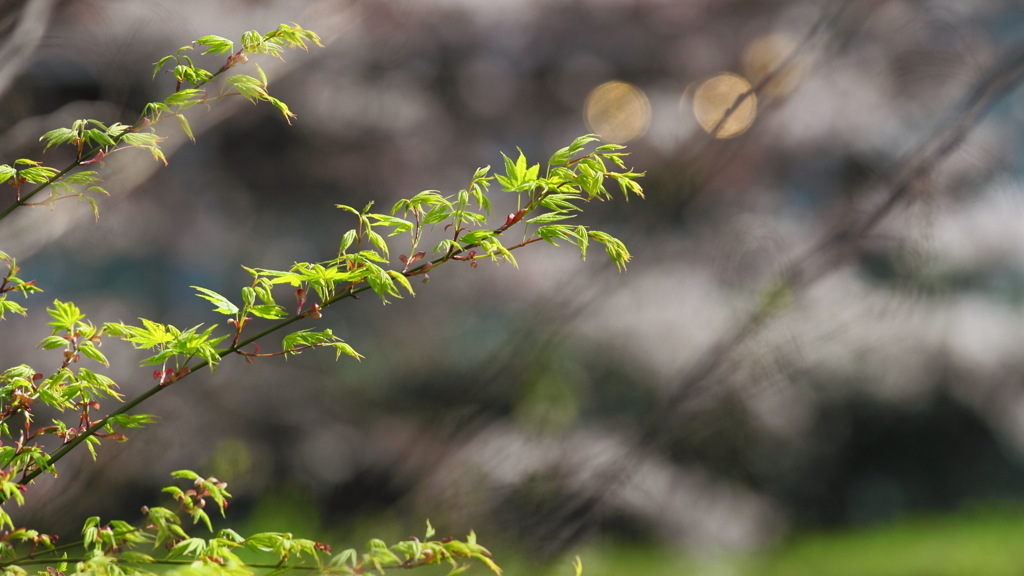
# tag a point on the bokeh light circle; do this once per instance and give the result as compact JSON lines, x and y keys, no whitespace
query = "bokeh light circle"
{"x":617,"y":111}
{"x":717,"y":95}
{"x":764,"y":54}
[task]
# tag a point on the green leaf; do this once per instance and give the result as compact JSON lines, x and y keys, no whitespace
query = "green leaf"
{"x":582,"y":240}
{"x":160,"y":64}
{"x":476,"y":236}
{"x":401,"y":278}
{"x":83,"y":178}
{"x":10,"y":306}
{"x":186,"y":127}
{"x":398,"y":224}
{"x":580,"y":142}
{"x":346,"y":241}
{"x":560,"y":157}
{"x":378,"y":242}
{"x":183,"y":96}
{"x":550,"y":217}
{"x":216,"y":44}
{"x":248,"y":296}
{"x":65,"y":315}
{"x":249,"y":87}
{"x":89,"y":350}
{"x":223,"y":305}
{"x":268,"y":311}
{"x":520,"y":168}
{"x":53,"y":138}
{"x":511,"y":171}
{"x":616,"y":249}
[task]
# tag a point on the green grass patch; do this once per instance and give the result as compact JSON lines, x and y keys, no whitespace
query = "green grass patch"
{"x":979,"y":542}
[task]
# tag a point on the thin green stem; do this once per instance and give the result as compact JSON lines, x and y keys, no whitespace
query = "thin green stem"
{"x":25,"y":198}
{"x":166,"y":561}
{"x":84,"y":158}
{"x":351,"y":292}
{"x":33,"y":558}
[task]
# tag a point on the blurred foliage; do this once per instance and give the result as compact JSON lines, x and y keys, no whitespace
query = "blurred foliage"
{"x":979,"y":542}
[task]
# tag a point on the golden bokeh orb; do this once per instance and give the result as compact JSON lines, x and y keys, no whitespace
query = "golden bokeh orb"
{"x":766,"y":53}
{"x":716,"y":96}
{"x":617,"y":111}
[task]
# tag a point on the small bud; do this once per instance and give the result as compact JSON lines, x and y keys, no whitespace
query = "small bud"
{"x":157,"y":374}
{"x":37,"y":376}
{"x":315,"y":312}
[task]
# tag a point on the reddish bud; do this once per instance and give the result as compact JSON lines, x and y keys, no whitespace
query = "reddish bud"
{"x":315,"y":312}
{"x":37,"y":376}
{"x":157,"y":374}
{"x":98,"y":158}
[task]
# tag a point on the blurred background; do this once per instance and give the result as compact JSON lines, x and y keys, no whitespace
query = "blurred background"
{"x":692,"y":415}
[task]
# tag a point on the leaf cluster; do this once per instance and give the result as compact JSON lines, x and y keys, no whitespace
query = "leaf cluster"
{"x":121,"y":548}
{"x":364,"y":261}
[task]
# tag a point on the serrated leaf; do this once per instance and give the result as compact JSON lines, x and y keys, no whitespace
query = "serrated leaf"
{"x":216,"y":44}
{"x":550,"y":217}
{"x":186,"y":127}
{"x":403,"y":280}
{"x":160,"y":64}
{"x":223,"y":305}
{"x":268,"y":311}
{"x":346,"y":241}
{"x":88,"y":350}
